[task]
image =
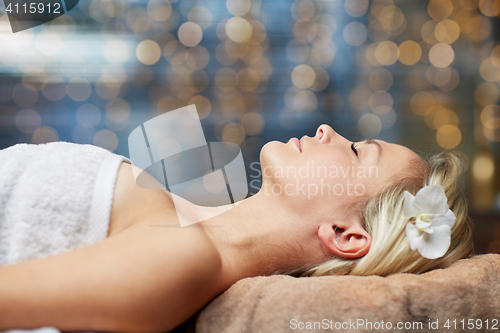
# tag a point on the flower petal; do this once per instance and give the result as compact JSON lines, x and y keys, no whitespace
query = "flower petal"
{"x":436,"y":244}
{"x":409,"y":209}
{"x":414,"y":235}
{"x":424,"y":226}
{"x":431,"y":199}
{"x":446,"y":219}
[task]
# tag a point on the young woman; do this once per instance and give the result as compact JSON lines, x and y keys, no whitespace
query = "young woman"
{"x":348,"y":215}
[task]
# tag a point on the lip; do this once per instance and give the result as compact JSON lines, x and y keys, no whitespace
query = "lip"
{"x":297,"y":143}
{"x":302,"y":140}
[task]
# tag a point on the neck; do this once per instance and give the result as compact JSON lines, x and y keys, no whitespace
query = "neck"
{"x":254,"y":237}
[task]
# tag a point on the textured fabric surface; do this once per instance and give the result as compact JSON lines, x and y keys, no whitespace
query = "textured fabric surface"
{"x":468,"y":289}
{"x":54,"y":198}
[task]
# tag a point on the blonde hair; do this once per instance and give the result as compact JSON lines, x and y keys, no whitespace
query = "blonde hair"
{"x":384,"y":220}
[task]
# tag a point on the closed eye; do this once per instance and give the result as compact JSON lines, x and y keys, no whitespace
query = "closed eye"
{"x":353,"y":147}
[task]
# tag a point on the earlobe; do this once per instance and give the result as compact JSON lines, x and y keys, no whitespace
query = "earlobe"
{"x":345,"y":240}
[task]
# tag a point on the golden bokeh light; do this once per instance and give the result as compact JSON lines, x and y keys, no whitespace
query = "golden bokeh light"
{"x":428,"y":32}
{"x":253,"y":123}
{"x":203,"y":105}
{"x":444,"y":117}
{"x":45,"y":134}
{"x":170,"y":48}
{"x":495,"y":56}
{"x":322,"y":79}
{"x":324,"y":34}
{"x":387,"y":116}
{"x":323,"y":55}
{"x":238,"y":7}
{"x":386,"y":53}
{"x":355,"y":33}
{"x":234,"y":133}
{"x":138,"y":20}
{"x":370,"y":55}
{"x":490,"y":7}
{"x":356,"y":8}
{"x":491,"y":134}
{"x":231,"y":102}
{"x":441,"y":55}
{"x":359,"y":96}
{"x":447,"y":79}
{"x":490,"y":116}
{"x":88,"y":115}
{"x":369,"y":125}
{"x":409,"y":52}
{"x":422,"y":103}
{"x":259,"y":33}
{"x":489,"y":72}
{"x":305,"y":31}
{"x":247,"y":79}
{"x":225,"y":79}
{"x":380,"y":79}
{"x":483,"y":167}
{"x":27,"y":121}
{"x":190,"y":34}
{"x":303,"y":76}
{"x":222,"y":56}
{"x":440,"y":9}
{"x":468,"y":4}
{"x":304,"y":10}
{"x":487,"y":93}
{"x":201,"y":16}
{"x":118,"y":110}
{"x":447,"y":31}
{"x":238,"y":29}
{"x":327,"y":20}
{"x":54,"y":88}
{"x":78,"y":89}
{"x":448,"y":136}
{"x":159,"y":10}
{"x":391,"y":19}
{"x":305,"y":101}
{"x":106,"y":139}
{"x":23,"y":96}
{"x":380,"y":98}
{"x":166,"y":104}
{"x":148,"y":52}
{"x":197,"y":57}
{"x":107,"y":87}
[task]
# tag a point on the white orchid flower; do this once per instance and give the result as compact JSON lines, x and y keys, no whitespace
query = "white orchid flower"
{"x":431,"y":232}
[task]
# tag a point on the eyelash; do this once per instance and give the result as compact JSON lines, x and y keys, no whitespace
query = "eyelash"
{"x":353,"y":147}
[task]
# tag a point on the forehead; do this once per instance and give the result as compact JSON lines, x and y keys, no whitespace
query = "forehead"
{"x":394,"y":156}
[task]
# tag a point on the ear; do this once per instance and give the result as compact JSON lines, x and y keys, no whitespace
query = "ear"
{"x":345,"y":239}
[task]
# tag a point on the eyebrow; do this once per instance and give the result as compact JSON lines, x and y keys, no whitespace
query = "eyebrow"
{"x":368,"y":141}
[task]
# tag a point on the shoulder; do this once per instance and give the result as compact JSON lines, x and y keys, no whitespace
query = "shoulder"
{"x":133,"y":204}
{"x":181,"y":271}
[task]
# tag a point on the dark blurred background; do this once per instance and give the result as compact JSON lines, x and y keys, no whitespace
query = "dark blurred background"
{"x":425,"y":74}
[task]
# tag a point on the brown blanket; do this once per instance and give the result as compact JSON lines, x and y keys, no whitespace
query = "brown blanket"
{"x":462,"y":297}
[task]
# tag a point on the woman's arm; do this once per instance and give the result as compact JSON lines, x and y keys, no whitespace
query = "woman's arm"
{"x":144,"y":279}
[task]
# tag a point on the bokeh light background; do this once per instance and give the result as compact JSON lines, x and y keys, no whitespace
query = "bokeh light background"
{"x":425,"y":74}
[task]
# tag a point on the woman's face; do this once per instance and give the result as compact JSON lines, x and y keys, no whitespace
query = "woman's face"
{"x":325,"y":173}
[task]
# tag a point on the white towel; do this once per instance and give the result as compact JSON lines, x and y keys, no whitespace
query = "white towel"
{"x":54,"y":198}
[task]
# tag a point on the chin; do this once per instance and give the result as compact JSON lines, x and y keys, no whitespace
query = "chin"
{"x":272,"y":153}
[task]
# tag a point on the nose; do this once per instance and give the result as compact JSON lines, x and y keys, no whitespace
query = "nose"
{"x":325,"y":134}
